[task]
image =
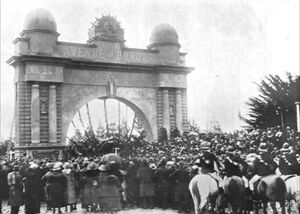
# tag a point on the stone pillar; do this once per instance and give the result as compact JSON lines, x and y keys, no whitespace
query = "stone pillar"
{"x":178,"y":110}
{"x":52,"y":115}
{"x":298,"y":115}
{"x":166,"y":110}
{"x":35,"y":114}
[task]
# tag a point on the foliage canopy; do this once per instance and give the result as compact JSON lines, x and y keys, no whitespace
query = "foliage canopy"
{"x":275,"y":103}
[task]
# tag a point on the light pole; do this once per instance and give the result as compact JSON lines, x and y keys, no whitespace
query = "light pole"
{"x":298,"y":104}
{"x":298,"y":115}
{"x":281,"y":111}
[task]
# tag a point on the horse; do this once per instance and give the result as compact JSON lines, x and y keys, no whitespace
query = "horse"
{"x":204,"y":190}
{"x":235,"y":194}
{"x":270,"y":188}
{"x":292,"y":190}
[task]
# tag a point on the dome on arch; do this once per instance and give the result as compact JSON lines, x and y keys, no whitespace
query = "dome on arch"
{"x":163,"y":33}
{"x":39,"y":19}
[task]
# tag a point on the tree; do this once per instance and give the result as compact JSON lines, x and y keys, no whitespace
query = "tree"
{"x":104,"y":140}
{"x":213,"y":126}
{"x":275,"y":105}
{"x":6,"y":145}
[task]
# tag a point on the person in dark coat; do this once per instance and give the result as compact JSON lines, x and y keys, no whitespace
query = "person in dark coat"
{"x":145,"y":176}
{"x":207,"y":162}
{"x":32,"y":185}
{"x":77,"y":182}
{"x":288,"y":164}
{"x":2,"y":186}
{"x":132,"y":183}
{"x":56,"y":183}
{"x":162,"y":185}
{"x":70,"y":188}
{"x":182,"y":179}
{"x":109,"y":195}
{"x":264,"y":165}
{"x":90,"y":182}
{"x":232,"y":163}
{"x":265,"y":162}
{"x":7,"y":168}
{"x":14,"y":180}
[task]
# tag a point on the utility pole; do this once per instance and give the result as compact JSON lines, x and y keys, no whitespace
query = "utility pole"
{"x":280,"y":111}
{"x":298,"y":105}
{"x":106,"y":117}
{"x":298,"y":115}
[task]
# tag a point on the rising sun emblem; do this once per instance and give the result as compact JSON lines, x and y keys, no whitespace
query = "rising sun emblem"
{"x":106,"y":28}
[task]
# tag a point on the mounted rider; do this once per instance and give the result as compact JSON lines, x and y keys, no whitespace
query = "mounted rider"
{"x":264,"y":165}
{"x":209,"y":164}
{"x":234,"y":165}
{"x":288,"y":163}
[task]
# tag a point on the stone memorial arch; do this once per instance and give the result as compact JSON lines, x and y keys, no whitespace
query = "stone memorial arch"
{"x":53,"y":79}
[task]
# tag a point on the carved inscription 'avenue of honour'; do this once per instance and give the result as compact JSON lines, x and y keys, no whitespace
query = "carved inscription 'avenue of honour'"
{"x":54,"y":79}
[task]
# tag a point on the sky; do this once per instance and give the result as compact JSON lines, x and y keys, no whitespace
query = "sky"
{"x":231,"y":44}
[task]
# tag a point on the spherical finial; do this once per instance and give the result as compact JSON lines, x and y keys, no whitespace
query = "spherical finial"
{"x":40,"y":19}
{"x":164,"y":34}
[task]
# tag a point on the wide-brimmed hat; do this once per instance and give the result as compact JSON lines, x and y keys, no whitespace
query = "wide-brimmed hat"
{"x":285,"y":147}
{"x":57,"y":166}
{"x":67,"y":165}
{"x":33,"y":166}
{"x":205,"y":145}
{"x":152,"y":166}
{"x":263,"y":147}
{"x":15,"y":167}
{"x":230,"y":149}
{"x":102,"y":168}
{"x":92,"y":166}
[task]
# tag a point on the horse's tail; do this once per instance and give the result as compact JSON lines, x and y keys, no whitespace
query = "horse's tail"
{"x":293,"y":188}
{"x":276,"y":190}
{"x":235,"y":191}
{"x":193,"y":187}
{"x":203,"y":189}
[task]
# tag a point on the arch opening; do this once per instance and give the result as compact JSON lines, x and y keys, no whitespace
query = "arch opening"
{"x":110,"y":115}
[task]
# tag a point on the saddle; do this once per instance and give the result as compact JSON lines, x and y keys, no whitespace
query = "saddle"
{"x":221,"y":190}
{"x":288,"y":177}
{"x":214,"y":179}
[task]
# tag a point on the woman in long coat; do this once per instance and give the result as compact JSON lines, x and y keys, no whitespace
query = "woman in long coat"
{"x":2,"y":186}
{"x":90,"y":182}
{"x":32,"y":185}
{"x":145,"y":175}
{"x":70,"y":188}
{"x":15,"y":194}
{"x":56,"y":183}
{"x":109,"y":191}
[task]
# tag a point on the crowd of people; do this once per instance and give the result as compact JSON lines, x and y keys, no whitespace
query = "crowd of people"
{"x":151,"y":174}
